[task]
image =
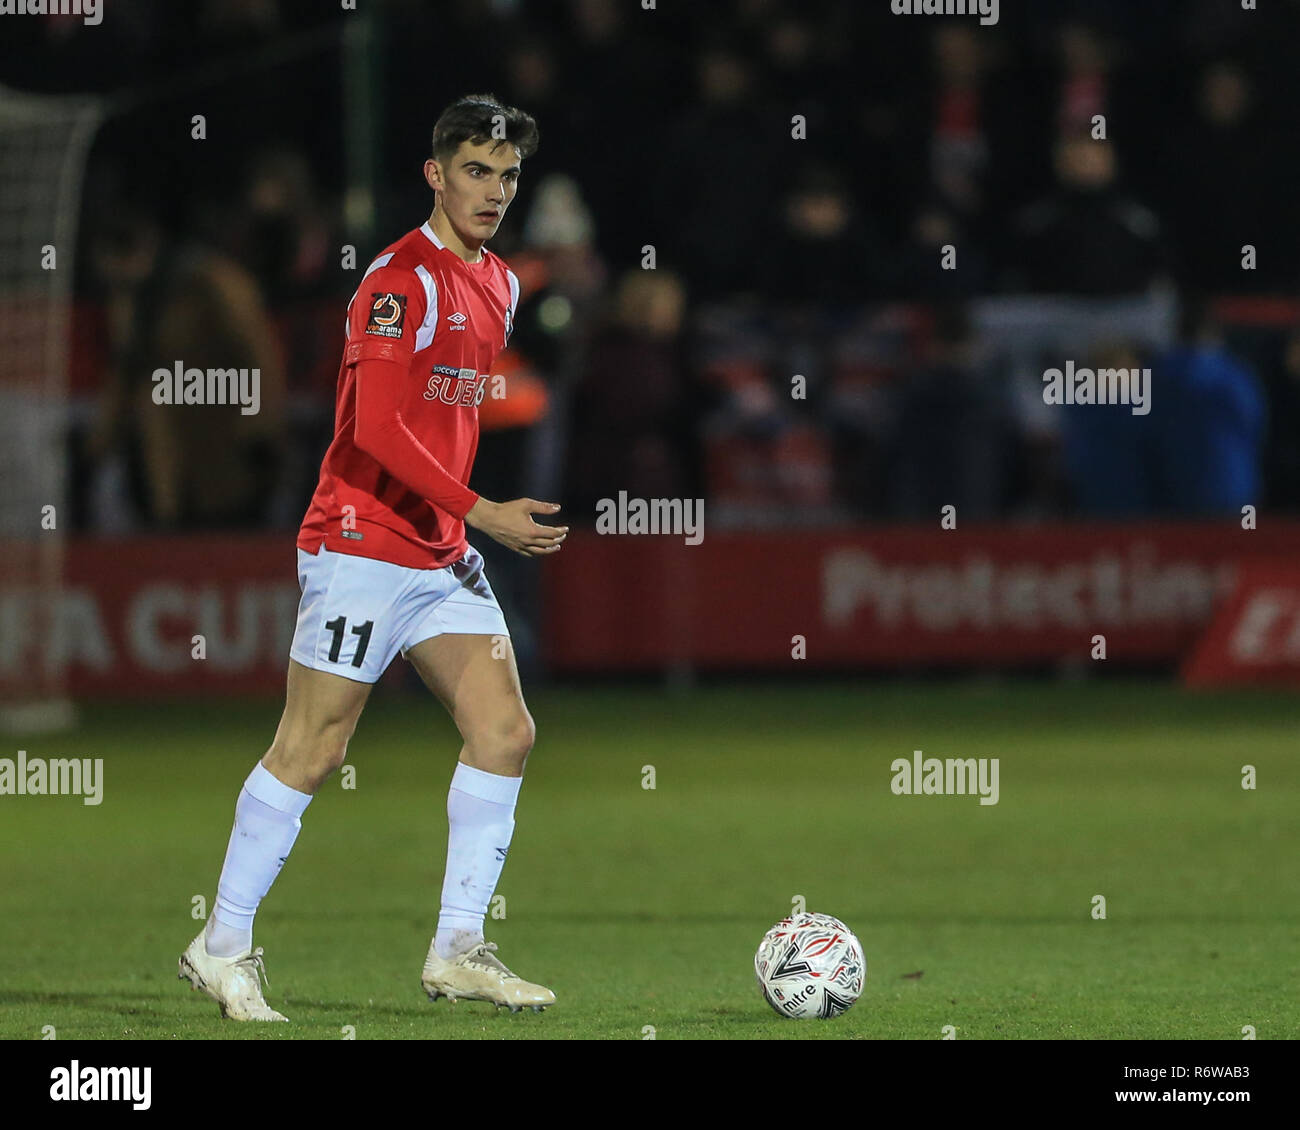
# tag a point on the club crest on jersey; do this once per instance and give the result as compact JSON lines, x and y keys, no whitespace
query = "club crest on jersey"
{"x":463,"y":387}
{"x":387,"y":313}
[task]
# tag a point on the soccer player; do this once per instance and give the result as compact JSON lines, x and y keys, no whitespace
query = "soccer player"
{"x":384,"y":566}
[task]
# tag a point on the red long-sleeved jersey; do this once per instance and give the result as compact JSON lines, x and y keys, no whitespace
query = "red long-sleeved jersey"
{"x":423,"y":330}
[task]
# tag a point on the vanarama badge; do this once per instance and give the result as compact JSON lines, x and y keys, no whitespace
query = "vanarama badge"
{"x":387,"y":313}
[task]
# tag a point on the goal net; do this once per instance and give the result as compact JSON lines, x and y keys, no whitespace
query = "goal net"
{"x":43,"y":146}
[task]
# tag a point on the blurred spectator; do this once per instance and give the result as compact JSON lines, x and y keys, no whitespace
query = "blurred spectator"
{"x":820,"y":254}
{"x":289,"y":234}
{"x":959,"y":138}
{"x":1036,"y":468}
{"x":560,"y":226}
{"x":792,"y":64}
{"x":1111,"y":456}
{"x":560,"y":273}
{"x":628,"y":82}
{"x":920,"y":273}
{"x":1096,"y":87}
{"x":533,"y":80}
{"x":1088,"y":237}
{"x":946,"y":439}
{"x":821,"y":265}
{"x":713,"y":196}
{"x":631,"y":423}
{"x":766,"y":459}
{"x":964,"y":137}
{"x":1212,"y":421}
{"x":1225,"y":194}
{"x":1086,"y":86}
{"x":187,"y":466}
{"x":286,"y":235}
{"x":857,"y":408}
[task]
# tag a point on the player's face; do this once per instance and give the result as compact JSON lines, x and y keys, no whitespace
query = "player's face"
{"x":477,"y":187}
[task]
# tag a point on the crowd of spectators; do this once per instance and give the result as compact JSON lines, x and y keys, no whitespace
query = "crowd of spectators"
{"x":1098,"y":152}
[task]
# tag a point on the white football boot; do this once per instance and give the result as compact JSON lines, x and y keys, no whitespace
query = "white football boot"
{"x":233,"y":982}
{"x":479,"y":975}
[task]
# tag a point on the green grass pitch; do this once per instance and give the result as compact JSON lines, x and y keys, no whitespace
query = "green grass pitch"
{"x":642,"y":907}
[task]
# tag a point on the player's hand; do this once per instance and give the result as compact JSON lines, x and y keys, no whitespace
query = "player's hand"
{"x":511,"y":523}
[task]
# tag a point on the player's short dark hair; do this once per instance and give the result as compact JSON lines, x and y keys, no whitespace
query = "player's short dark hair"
{"x":475,"y":118}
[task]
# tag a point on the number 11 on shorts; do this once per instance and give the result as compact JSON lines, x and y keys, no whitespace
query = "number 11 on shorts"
{"x":338,"y":625}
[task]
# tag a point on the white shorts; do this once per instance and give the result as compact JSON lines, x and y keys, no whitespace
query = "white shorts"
{"x":356,"y":613}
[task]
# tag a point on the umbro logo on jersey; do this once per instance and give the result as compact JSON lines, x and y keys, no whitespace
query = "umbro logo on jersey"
{"x":457,"y":320}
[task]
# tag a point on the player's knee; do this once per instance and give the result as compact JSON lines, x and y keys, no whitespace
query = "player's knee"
{"x":332,"y":755}
{"x":515,"y":740}
{"x":309,"y":756}
{"x":506,"y":747}
{"x":523,"y":736}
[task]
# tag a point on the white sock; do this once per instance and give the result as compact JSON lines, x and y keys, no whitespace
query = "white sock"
{"x":481,"y":820}
{"x":266,"y":825}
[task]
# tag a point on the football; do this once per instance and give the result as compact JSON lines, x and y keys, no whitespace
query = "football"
{"x":810,"y":965}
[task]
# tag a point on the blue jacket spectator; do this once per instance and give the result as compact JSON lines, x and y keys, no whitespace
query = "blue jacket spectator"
{"x":1211,"y":415}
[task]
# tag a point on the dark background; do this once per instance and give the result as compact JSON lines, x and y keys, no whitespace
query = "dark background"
{"x":774,"y":257}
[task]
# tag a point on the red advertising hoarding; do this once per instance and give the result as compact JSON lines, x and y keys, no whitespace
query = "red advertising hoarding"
{"x":893,"y":597}
{"x":1255,"y":634}
{"x":131,"y":611}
